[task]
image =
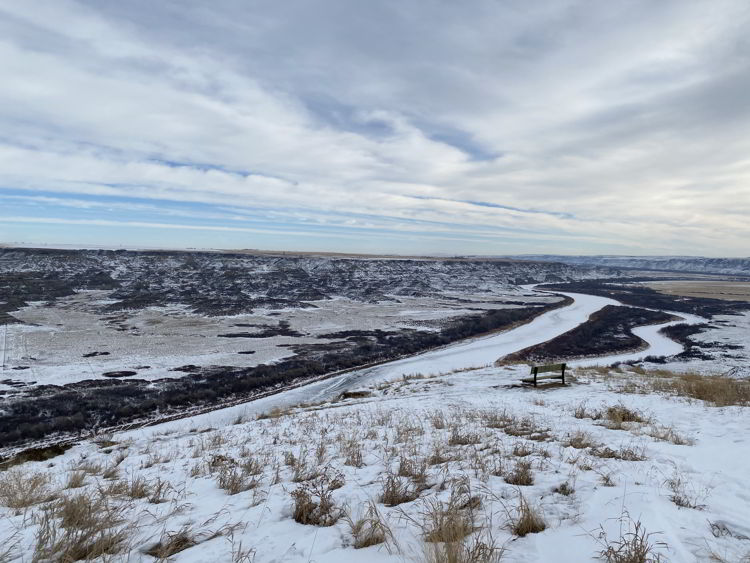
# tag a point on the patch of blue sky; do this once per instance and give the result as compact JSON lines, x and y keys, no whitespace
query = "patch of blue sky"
{"x":560,"y":214}
{"x":344,"y":117}
{"x":52,"y":205}
{"x":459,"y":139}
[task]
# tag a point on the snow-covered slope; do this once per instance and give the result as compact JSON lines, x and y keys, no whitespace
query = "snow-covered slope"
{"x":216,"y":283}
{"x":692,"y":264}
{"x":465,"y":449}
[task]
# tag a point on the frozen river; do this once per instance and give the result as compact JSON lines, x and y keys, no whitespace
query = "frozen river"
{"x":477,"y":352}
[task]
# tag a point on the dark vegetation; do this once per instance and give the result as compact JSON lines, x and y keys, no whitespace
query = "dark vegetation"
{"x":641,"y":296}
{"x":18,"y":288}
{"x":282,"y":329}
{"x":92,"y":404}
{"x":606,"y":331}
{"x":682,"y":333}
{"x":119,"y":373}
{"x":235,"y":283}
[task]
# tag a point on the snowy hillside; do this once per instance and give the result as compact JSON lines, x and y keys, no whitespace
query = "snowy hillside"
{"x":229,"y":284}
{"x":692,"y":264}
{"x":466,"y":464}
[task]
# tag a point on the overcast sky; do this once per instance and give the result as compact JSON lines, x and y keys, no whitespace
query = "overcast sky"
{"x":414,"y":127}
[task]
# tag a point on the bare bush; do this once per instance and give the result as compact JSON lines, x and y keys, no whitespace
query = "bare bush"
{"x":314,"y":505}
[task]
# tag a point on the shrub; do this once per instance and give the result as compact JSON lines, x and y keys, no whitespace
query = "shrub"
{"x":313,"y":504}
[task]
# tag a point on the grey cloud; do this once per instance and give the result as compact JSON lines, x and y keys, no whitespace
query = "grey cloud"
{"x":624,"y":115}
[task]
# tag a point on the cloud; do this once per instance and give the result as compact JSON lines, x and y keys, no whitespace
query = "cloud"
{"x":588,"y":127}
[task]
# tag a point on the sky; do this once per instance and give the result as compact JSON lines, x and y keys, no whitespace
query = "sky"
{"x":407,"y":127}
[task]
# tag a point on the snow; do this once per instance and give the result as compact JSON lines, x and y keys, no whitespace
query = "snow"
{"x":711,"y":472}
{"x":457,"y":381}
{"x":658,"y":343}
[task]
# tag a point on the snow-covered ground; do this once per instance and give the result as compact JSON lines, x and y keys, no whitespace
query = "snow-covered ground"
{"x":52,"y":347}
{"x":451,"y":437}
{"x":451,"y":441}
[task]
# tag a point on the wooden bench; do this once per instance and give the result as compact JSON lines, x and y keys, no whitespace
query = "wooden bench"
{"x":536,"y":370}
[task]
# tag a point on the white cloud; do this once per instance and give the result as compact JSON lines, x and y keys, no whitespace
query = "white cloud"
{"x":627,"y":120}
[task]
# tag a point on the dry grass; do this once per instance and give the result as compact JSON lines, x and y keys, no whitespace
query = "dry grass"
{"x":314,"y":505}
{"x":9,"y":548}
{"x":579,"y":440}
{"x":521,"y":449}
{"x":565,"y":489}
{"x":667,"y":434}
{"x":715,"y":390}
{"x":172,"y":543}
{"x":276,"y":412}
{"x":235,"y":480}
{"x":352,"y":452}
{"x":76,"y":480}
{"x":370,"y":529}
{"x":395,"y":491}
{"x":477,"y":548}
{"x":634,"y":545}
{"x":19,"y":489}
{"x":79,"y":527}
{"x":526,"y":519}
{"x":446,"y":522}
{"x":619,"y":416}
{"x":521,"y":474}
{"x":440,"y":455}
{"x":458,"y":438}
{"x":683,"y":494}
{"x":634,"y":453}
{"x":414,"y":468}
{"x":527,"y":428}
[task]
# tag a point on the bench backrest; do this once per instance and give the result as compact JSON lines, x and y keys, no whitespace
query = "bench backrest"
{"x":547,"y":368}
